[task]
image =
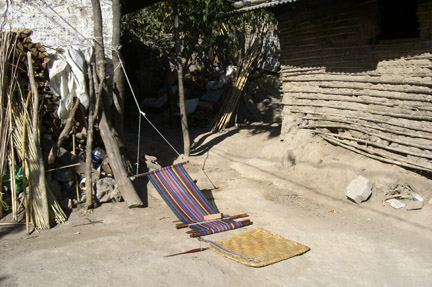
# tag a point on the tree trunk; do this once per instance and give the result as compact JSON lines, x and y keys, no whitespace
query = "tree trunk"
{"x":184,"y":123}
{"x":112,"y":149}
{"x":118,"y":89}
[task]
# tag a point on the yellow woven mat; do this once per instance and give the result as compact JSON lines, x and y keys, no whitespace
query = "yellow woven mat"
{"x":258,"y":248}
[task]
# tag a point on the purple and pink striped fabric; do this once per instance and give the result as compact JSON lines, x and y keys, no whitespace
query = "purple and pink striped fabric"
{"x":187,"y":201}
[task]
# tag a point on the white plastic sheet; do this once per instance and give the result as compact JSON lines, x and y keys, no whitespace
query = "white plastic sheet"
{"x":67,"y":79}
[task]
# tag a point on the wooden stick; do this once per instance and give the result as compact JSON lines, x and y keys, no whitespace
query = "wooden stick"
{"x":393,"y":196}
{"x":76,"y":176}
{"x":64,"y":134}
{"x":42,"y":181}
{"x":49,"y":170}
{"x":196,"y":233}
{"x":367,"y":119}
{"x":12,"y":165}
{"x":183,"y":225}
{"x":13,"y":180}
{"x":93,"y":112}
{"x":350,"y":127}
{"x":367,"y":142}
{"x":376,"y":155}
{"x":25,"y":164}
{"x":62,"y":167}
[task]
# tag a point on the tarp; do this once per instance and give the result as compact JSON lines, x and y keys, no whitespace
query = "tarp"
{"x":67,"y":79}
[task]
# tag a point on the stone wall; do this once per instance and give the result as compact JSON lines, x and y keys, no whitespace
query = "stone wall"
{"x":56,"y":23}
{"x":348,"y":80}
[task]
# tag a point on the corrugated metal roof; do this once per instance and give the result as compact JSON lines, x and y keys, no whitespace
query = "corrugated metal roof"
{"x":270,"y":3}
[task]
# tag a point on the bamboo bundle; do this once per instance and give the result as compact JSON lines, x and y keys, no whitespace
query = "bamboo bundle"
{"x":23,"y":137}
{"x":232,"y":98}
{"x":16,"y":125}
{"x":6,"y":39}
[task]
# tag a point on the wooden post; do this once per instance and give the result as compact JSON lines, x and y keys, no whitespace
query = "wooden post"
{"x":184,"y":123}
{"x":112,"y":149}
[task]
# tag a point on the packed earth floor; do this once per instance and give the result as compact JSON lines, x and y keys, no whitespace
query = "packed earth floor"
{"x":366,"y":244}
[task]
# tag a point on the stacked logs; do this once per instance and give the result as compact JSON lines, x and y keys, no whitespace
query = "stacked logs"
{"x":39,"y":54}
{"x":51,"y":126}
{"x":40,"y":60}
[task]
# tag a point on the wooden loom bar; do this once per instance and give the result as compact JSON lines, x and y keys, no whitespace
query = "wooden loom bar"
{"x":196,"y":233}
{"x":183,"y":225}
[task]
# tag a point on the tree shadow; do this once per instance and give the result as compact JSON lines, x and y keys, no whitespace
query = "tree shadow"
{"x":199,"y":148}
{"x":273,"y":130}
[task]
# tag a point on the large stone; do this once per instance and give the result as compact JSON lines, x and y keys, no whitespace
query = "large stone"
{"x":414,"y":205}
{"x":396,"y":204}
{"x":359,"y":189}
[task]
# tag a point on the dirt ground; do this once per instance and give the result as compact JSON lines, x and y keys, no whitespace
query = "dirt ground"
{"x":247,"y":170}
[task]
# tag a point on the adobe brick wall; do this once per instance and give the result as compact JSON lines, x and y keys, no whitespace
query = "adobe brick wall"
{"x":355,"y":89}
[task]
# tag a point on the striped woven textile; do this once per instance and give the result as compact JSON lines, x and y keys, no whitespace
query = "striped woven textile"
{"x":187,"y":201}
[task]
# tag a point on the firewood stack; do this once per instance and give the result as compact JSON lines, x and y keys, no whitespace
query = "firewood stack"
{"x":41,"y":57}
{"x":51,"y":125}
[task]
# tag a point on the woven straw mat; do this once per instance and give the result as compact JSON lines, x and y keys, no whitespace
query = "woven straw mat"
{"x":259,"y":248}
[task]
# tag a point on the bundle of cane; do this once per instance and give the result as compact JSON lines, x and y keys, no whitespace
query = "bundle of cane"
{"x":7,"y":85}
{"x":231,"y":100}
{"x":23,"y":137}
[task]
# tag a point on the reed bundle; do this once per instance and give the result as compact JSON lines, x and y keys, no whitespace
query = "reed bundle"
{"x":231,"y":99}
{"x":6,"y":43}
{"x":16,"y":127}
